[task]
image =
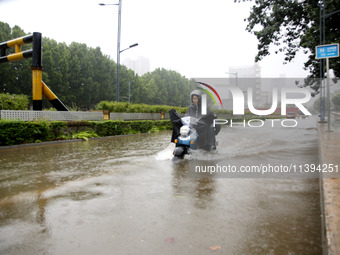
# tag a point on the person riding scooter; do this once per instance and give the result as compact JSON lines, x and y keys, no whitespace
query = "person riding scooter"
{"x":195,"y":109}
{"x":204,"y":126}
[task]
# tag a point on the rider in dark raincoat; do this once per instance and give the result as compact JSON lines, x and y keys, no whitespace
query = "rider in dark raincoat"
{"x":195,"y":109}
{"x":204,"y":127}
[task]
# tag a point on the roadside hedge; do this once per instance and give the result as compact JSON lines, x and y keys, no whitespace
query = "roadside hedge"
{"x":21,"y":132}
{"x":109,"y":127}
{"x":113,"y":106}
{"x":18,"y":132}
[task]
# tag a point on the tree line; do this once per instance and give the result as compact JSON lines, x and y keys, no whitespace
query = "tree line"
{"x":82,"y":76}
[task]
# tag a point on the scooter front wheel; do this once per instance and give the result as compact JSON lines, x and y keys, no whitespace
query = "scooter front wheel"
{"x":179,"y":152}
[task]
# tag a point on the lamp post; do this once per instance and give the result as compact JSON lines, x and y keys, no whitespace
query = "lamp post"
{"x":322,"y":92}
{"x":235,"y":76}
{"x":118,"y":73}
{"x":323,"y":15}
{"x":131,"y":46}
{"x":118,"y":43}
{"x":118,"y":46}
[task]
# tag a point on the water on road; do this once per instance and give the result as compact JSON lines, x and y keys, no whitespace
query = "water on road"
{"x":124,"y":195}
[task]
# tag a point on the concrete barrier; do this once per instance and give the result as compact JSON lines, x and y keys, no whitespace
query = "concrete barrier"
{"x":74,"y":115}
{"x":51,"y":115}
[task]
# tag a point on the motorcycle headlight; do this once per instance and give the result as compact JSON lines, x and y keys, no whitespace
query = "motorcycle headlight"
{"x":184,"y":130}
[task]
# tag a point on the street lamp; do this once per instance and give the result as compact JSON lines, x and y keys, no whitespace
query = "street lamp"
{"x":131,"y":46}
{"x":107,"y":4}
{"x":330,"y":14}
{"x":235,"y":76}
{"x":118,"y":43}
{"x":323,"y":15}
{"x":118,"y":70}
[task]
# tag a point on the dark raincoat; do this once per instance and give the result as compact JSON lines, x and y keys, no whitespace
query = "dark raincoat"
{"x":206,"y":132}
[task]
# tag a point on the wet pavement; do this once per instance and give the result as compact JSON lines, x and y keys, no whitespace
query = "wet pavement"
{"x":124,"y":195}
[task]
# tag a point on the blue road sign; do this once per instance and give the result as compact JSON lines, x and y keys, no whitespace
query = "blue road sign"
{"x":327,"y":51}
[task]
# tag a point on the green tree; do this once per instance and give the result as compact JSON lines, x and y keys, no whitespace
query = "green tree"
{"x":81,"y":76}
{"x":291,"y":26}
{"x":173,"y":88}
{"x":56,"y":68}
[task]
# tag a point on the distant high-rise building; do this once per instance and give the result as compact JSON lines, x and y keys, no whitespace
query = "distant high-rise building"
{"x":250,"y":71}
{"x":248,"y":77}
{"x":141,"y":65}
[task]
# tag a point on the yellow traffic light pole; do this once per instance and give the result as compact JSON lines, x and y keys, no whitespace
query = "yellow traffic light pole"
{"x":39,"y":88}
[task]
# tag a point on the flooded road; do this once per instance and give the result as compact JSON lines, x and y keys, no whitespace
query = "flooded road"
{"x":124,"y":195}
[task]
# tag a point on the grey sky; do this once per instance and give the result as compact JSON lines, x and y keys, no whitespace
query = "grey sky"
{"x":194,"y":37}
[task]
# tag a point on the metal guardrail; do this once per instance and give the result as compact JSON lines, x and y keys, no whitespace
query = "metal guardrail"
{"x":50,"y":115}
{"x":76,"y":116}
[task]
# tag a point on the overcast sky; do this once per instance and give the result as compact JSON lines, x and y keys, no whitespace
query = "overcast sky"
{"x":197,"y":38}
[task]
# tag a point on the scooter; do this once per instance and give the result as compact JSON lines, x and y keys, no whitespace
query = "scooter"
{"x":191,"y":133}
{"x":187,"y":139}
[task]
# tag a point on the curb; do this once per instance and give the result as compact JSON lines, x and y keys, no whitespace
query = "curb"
{"x":329,"y":149}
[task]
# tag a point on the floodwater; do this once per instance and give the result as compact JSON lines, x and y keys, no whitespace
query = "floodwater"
{"x":124,"y":195}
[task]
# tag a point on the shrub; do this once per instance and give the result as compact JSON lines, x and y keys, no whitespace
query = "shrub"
{"x":111,"y":128}
{"x":18,"y":132}
{"x":13,"y":102}
{"x":141,"y":108}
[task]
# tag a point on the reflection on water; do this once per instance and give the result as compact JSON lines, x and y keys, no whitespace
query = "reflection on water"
{"x":124,"y":194}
